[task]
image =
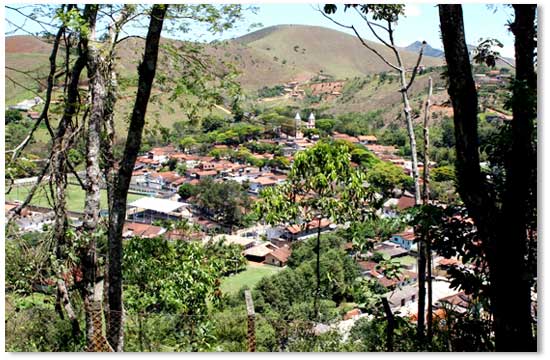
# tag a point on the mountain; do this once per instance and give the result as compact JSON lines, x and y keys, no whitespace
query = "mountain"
{"x":267,"y":57}
{"x":428,"y":50}
{"x":303,"y":51}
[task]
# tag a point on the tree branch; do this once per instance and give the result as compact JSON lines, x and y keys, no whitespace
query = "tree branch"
{"x":415,"y":70}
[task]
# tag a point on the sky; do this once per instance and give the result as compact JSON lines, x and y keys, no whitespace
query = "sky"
{"x":420,"y":23}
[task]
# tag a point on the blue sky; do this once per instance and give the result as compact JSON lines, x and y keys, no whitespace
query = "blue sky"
{"x":420,"y":23}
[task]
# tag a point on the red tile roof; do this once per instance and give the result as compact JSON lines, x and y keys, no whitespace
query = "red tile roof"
{"x":282,"y":254}
{"x":313,"y":224}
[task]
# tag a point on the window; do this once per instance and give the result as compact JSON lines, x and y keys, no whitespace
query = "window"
{"x":402,"y":302}
{"x":413,"y":298}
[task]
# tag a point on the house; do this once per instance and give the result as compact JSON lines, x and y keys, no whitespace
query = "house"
{"x":402,"y":296}
{"x":367,"y":139}
{"x":352,"y":314}
{"x":245,"y":242}
{"x":304,"y":231}
{"x":406,"y":278}
{"x":278,"y":257}
{"x":259,"y":252}
{"x":404,"y":239}
{"x":132,"y":229}
{"x":339,"y":136}
{"x":459,"y":303}
{"x":261,"y":182}
{"x":161,"y":154}
{"x":145,"y":161}
{"x":190,"y":161}
{"x":26,"y":105}
{"x":390,"y":249}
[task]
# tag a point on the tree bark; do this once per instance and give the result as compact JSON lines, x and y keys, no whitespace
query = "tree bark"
{"x":147,"y":70}
{"x":318,"y":270}
{"x":503,"y":233}
{"x":425,"y":199}
{"x":513,"y":308}
{"x":93,"y":173}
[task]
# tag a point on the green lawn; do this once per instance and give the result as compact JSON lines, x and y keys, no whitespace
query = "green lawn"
{"x":407,"y":260}
{"x":251,"y":276}
{"x":75,"y":197}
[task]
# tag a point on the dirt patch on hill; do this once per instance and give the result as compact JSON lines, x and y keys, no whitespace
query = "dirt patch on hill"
{"x":27,"y":44}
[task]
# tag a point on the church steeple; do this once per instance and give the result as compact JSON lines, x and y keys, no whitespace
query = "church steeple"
{"x":311,"y":121}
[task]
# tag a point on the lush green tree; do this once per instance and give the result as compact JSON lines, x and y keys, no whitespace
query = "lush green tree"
{"x":385,"y":177}
{"x":13,"y":116}
{"x":225,"y":202}
{"x":321,"y":184}
{"x":186,"y":143}
{"x":186,"y":190}
{"x":443,"y":173}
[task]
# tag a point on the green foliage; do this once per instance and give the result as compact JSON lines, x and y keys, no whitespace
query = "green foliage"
{"x":226,"y":202}
{"x":186,"y":190}
{"x":357,"y":123}
{"x":267,"y":92}
{"x":295,"y":286}
{"x":335,"y":189}
{"x":33,"y":325}
{"x":385,"y":176}
{"x":13,"y":116}
{"x":370,"y":335}
{"x":443,"y":173}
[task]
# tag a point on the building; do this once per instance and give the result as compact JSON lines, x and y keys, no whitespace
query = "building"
{"x":259,"y":252}
{"x":148,"y":209}
{"x":311,"y":121}
{"x":367,"y":139}
{"x":278,"y":257}
{"x":132,"y":229}
{"x":405,"y":239}
{"x":297,"y":127}
{"x":304,"y":231}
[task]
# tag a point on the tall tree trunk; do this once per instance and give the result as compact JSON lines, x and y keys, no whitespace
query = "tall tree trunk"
{"x":513,"y":323}
{"x":318,"y":270}
{"x":93,"y":173}
{"x":147,"y":70}
{"x":511,"y":309}
{"x":425,"y":200}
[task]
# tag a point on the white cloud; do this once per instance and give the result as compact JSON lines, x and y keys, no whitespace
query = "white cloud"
{"x":412,"y":10}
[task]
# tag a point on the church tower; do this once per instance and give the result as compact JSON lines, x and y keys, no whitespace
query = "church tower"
{"x":311,"y":121}
{"x":297,"y":126}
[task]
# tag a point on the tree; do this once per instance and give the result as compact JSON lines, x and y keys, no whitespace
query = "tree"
{"x":389,"y":15}
{"x":186,"y":190}
{"x":226,"y":202}
{"x":501,"y":227}
{"x":187,"y":143}
{"x":321,"y":184}
{"x":13,"y":116}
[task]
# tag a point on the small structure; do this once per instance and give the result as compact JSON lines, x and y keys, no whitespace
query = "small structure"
{"x":278,"y":257}
{"x":367,"y":139}
{"x":132,"y":229}
{"x":405,"y":239}
{"x":245,"y":242}
{"x":148,"y":209}
{"x":304,"y":231}
{"x":259,"y":252}
{"x":26,"y":105}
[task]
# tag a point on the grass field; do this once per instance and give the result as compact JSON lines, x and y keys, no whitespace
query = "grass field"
{"x":75,"y":197}
{"x":407,"y":260}
{"x":251,"y":276}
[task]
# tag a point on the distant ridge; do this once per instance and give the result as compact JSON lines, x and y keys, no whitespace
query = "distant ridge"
{"x":428,"y":50}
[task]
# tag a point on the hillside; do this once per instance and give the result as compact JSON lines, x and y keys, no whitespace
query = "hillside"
{"x":310,"y":50}
{"x":267,"y":57}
